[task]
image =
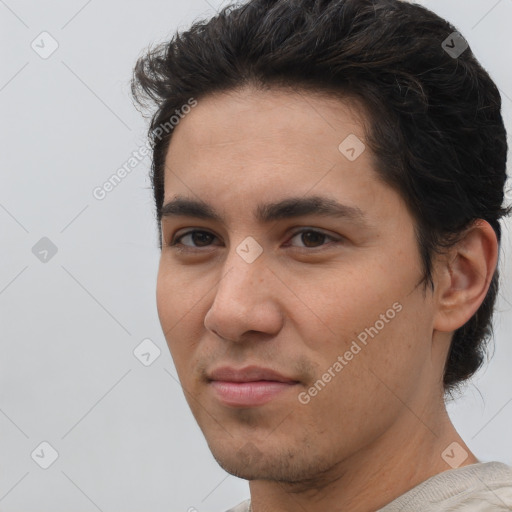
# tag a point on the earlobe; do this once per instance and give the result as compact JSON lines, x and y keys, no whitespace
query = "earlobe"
{"x":465,"y":275}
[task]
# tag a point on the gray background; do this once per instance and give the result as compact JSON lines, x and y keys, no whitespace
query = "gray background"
{"x":123,"y":431}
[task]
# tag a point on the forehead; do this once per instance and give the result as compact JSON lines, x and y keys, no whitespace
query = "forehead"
{"x":236,"y":149}
{"x":283,"y":116}
{"x":269,"y":128}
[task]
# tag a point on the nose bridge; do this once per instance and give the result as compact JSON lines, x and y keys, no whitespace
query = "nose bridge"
{"x":244,"y":269}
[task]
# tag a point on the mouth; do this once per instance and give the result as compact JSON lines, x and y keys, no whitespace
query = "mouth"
{"x":249,"y":394}
{"x":248,"y":387}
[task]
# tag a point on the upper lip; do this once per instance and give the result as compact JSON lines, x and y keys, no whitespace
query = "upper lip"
{"x":247,"y":374}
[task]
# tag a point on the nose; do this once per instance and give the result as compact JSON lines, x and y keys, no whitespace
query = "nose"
{"x":246,"y":300}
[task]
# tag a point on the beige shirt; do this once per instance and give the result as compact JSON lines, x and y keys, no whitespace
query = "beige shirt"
{"x":480,"y":487}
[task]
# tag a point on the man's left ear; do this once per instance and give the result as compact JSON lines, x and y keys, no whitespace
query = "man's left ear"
{"x":464,"y":276}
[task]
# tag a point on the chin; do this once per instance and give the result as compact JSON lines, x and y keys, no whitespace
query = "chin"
{"x":251,"y":463}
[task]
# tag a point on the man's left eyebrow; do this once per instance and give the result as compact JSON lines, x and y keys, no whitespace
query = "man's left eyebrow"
{"x":268,"y":212}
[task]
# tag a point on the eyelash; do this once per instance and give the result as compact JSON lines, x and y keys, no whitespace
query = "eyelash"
{"x":180,"y":247}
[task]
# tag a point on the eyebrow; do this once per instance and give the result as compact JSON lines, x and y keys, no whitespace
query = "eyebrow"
{"x":264,"y":213}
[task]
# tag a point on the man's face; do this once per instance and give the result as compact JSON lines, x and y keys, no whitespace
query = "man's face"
{"x":336,"y":310}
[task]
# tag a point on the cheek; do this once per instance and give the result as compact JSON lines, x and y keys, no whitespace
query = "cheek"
{"x":338,"y":305}
{"x":172,"y":308}
{"x":372,"y":384}
{"x":178,"y":293}
{"x":388,"y":358}
{"x":369,"y":316}
{"x":165,"y":301}
{"x":180,"y":301}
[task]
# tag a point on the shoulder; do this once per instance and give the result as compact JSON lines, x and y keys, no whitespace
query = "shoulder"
{"x":241,"y":507}
{"x":480,"y":487}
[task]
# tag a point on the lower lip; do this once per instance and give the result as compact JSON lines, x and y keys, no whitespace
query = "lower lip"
{"x":248,"y":394}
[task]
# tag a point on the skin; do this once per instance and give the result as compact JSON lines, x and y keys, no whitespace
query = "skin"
{"x":379,"y":427}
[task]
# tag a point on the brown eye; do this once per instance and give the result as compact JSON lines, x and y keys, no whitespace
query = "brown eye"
{"x":312,"y":238}
{"x":199,"y":238}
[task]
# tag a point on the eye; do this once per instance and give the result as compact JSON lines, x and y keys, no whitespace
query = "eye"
{"x":203,"y":238}
{"x":314,"y":237}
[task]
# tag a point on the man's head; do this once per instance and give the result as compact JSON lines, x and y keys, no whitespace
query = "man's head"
{"x":357,"y":102}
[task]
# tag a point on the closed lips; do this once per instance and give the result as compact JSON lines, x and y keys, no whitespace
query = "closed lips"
{"x":248,"y":374}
